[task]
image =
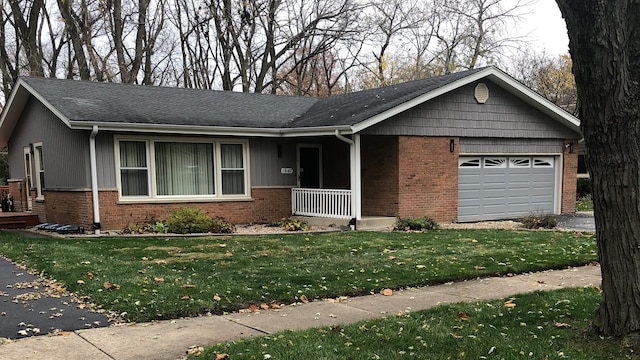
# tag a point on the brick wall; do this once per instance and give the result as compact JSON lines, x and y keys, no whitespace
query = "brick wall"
{"x":379,"y":165}
{"x":267,"y":204}
{"x":428,"y":177}
{"x":569,"y":177}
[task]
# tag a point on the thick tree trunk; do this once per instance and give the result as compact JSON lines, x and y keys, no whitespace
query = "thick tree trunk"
{"x":605,"y":49}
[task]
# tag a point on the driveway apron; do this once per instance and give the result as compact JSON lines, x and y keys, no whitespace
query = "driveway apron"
{"x":29,"y":307}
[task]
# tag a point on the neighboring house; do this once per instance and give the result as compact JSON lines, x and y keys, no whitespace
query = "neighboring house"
{"x":469,"y":146}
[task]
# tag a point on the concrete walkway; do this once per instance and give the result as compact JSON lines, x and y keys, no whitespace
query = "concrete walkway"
{"x":171,"y":339}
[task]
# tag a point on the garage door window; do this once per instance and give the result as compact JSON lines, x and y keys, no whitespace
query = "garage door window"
{"x":469,"y":162}
{"x":520,"y":162}
{"x":499,"y":163}
{"x":543,"y":162}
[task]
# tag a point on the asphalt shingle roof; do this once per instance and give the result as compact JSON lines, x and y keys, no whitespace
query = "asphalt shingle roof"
{"x":153,"y":105}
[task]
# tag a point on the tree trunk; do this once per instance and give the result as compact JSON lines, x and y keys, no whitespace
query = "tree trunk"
{"x":605,"y":49}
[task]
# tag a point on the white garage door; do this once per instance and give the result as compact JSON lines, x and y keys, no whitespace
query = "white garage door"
{"x":494,"y":187}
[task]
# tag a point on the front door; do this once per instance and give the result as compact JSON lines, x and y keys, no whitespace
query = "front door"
{"x":310,"y":166}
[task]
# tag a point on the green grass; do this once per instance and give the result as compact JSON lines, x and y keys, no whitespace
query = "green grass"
{"x":162,"y":278}
{"x":584,"y":204}
{"x":541,"y":325}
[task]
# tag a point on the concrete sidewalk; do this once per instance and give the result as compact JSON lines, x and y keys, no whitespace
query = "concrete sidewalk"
{"x":171,"y":339}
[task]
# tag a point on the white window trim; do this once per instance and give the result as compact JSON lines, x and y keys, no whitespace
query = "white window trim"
{"x":37,"y":165}
{"x":151,"y":178}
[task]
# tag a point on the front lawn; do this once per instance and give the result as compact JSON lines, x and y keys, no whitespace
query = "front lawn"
{"x":160,"y":278}
{"x":540,"y":325}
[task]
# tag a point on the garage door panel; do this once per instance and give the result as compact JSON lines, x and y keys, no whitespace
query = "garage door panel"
{"x":507,"y":190}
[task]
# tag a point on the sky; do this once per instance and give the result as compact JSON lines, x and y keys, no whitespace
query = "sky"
{"x":545,"y":28}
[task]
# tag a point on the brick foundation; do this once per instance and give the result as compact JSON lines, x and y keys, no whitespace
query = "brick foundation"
{"x":569,"y":177}
{"x":75,"y":207}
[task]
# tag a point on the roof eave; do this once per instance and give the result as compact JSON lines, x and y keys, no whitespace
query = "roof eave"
{"x":208,"y":130}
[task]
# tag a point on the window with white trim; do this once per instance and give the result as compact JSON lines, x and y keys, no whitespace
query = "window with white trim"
{"x":39,"y":167}
{"x":189,"y":169}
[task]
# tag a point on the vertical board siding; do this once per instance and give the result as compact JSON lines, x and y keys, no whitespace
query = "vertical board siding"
{"x":510,"y":146}
{"x":458,"y":114}
{"x":65,"y":151}
{"x":266,"y":165}
{"x":105,"y":161}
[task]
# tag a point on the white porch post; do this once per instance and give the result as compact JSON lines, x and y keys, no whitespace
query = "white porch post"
{"x":356,"y":184}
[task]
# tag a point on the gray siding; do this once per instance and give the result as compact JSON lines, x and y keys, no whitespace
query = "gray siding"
{"x":458,"y":114}
{"x":510,"y":146}
{"x":105,"y":161}
{"x":65,"y":151}
{"x":266,"y":165}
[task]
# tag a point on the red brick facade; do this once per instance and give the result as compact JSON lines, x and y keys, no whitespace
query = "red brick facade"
{"x":410,"y":176}
{"x":75,"y":207}
{"x":428,"y":177}
{"x":569,"y":176}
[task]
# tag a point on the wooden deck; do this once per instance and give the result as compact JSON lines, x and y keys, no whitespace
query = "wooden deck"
{"x":17,"y":220}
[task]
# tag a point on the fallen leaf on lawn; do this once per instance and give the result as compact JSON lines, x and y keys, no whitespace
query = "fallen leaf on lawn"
{"x":217,"y":356}
{"x":264,"y":306}
{"x":142,"y":271}
{"x":158,"y":279}
{"x":228,"y":254}
{"x":304,"y":299}
{"x":421,"y":266}
{"x":186,"y":297}
{"x":144,"y":258}
{"x":264,"y":254}
{"x":509,"y":304}
{"x":456,"y":336}
{"x":561,"y":325}
{"x":195,"y":350}
{"x":386,"y":292}
{"x":109,"y":286}
{"x":216,"y":297}
{"x":463,"y":316}
{"x":400,"y":263}
{"x":88,"y":275}
{"x":253,"y":308}
{"x":478,"y":267}
{"x":188,"y":286}
{"x":80,"y":282}
{"x":387,"y":251}
{"x":391,"y":258}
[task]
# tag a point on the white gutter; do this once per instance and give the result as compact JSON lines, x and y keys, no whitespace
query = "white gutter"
{"x":354,"y":161}
{"x":94,"y":179}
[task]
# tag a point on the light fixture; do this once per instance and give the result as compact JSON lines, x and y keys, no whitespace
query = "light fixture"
{"x":452,"y":145}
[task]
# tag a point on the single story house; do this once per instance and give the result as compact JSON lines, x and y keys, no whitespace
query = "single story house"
{"x":469,"y":146}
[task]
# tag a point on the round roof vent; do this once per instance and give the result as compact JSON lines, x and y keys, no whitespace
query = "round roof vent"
{"x":481,"y":93}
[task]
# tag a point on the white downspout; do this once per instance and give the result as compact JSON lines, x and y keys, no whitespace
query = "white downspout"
{"x":94,"y":179}
{"x":354,"y":161}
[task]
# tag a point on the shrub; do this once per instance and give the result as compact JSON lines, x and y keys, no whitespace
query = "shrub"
{"x":133,"y":228}
{"x":188,"y":220}
{"x":539,"y":221}
{"x":295,"y":225}
{"x":420,"y":223}
{"x":159,"y":227}
{"x":219,"y":225}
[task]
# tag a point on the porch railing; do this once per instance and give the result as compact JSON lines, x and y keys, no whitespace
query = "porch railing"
{"x":321,"y":203}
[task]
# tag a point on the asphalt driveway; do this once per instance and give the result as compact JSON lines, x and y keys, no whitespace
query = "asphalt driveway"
{"x":580,"y":221}
{"x":29,"y":307}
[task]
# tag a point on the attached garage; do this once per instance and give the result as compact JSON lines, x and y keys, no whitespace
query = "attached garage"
{"x":502,"y":187}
